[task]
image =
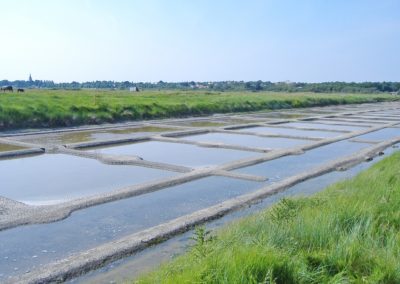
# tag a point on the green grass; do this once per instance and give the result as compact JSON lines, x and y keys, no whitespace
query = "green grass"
{"x":349,"y":233}
{"x":51,"y":108}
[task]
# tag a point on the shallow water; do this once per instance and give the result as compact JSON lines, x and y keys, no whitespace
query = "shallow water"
{"x":52,"y":178}
{"x":323,"y":126}
{"x":86,"y":136}
{"x":214,"y":122}
{"x":234,"y":121}
{"x":382,"y":115}
{"x":279,"y":115}
{"x":289,"y":131}
{"x":247,"y":140}
{"x":278,"y":169}
{"x":319,"y":112}
{"x":355,"y":122}
{"x":378,"y":119}
{"x":380,"y":135}
{"x":206,"y":124}
{"x":9,"y":147}
{"x":27,"y":247}
{"x":178,"y":154}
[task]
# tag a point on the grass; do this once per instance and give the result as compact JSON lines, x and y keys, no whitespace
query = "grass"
{"x":56,"y":108}
{"x":348,"y":233}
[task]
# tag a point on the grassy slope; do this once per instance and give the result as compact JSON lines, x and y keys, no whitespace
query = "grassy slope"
{"x":347,"y":233}
{"x":44,"y":108}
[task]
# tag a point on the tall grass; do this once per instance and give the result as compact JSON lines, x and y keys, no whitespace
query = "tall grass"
{"x":50,"y":108}
{"x":349,"y":233}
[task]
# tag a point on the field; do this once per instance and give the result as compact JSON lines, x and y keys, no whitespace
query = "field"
{"x":57,"y":108}
{"x":348,"y":233}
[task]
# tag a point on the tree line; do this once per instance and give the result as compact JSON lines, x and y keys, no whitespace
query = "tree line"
{"x":255,"y":86}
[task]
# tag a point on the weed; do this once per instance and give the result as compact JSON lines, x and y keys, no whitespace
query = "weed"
{"x":344,"y":234}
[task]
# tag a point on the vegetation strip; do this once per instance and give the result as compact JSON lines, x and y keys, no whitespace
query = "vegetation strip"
{"x":59,"y":108}
{"x":348,"y":233}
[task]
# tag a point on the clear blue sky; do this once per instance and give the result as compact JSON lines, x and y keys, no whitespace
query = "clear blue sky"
{"x":200,"y":40}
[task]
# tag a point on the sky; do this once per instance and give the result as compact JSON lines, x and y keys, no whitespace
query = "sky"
{"x":200,"y":40}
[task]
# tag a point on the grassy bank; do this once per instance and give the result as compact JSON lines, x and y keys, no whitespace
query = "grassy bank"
{"x":348,"y":233}
{"x":53,"y":108}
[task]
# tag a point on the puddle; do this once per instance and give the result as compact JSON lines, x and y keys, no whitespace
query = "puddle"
{"x":381,"y":116}
{"x":200,"y":123}
{"x":130,"y":268}
{"x":348,"y":121}
{"x":373,"y":118}
{"x":235,"y":121}
{"x":176,"y":153}
{"x":56,"y":138}
{"x":24,"y":248}
{"x":216,"y":122}
{"x":280,"y":115}
{"x":323,"y":126}
{"x":196,"y":123}
{"x":52,"y":178}
{"x":143,"y":129}
{"x":86,"y":136}
{"x":206,"y":124}
{"x":246,"y":140}
{"x":313,"y":112}
{"x":289,"y":131}
{"x":380,"y":135}
{"x":9,"y":147}
{"x":287,"y":166}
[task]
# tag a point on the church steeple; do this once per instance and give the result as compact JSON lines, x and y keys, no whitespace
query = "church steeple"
{"x":30,"y":78}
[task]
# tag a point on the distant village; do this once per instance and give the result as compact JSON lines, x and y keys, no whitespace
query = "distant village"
{"x":255,"y":86}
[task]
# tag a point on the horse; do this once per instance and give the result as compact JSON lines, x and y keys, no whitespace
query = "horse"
{"x":7,"y":88}
{"x":20,"y":90}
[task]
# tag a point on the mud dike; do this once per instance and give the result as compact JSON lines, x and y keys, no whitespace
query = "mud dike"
{"x":73,"y":200}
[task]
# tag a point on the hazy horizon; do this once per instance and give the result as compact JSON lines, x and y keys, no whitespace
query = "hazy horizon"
{"x":155,"y":82}
{"x":178,"y":41}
